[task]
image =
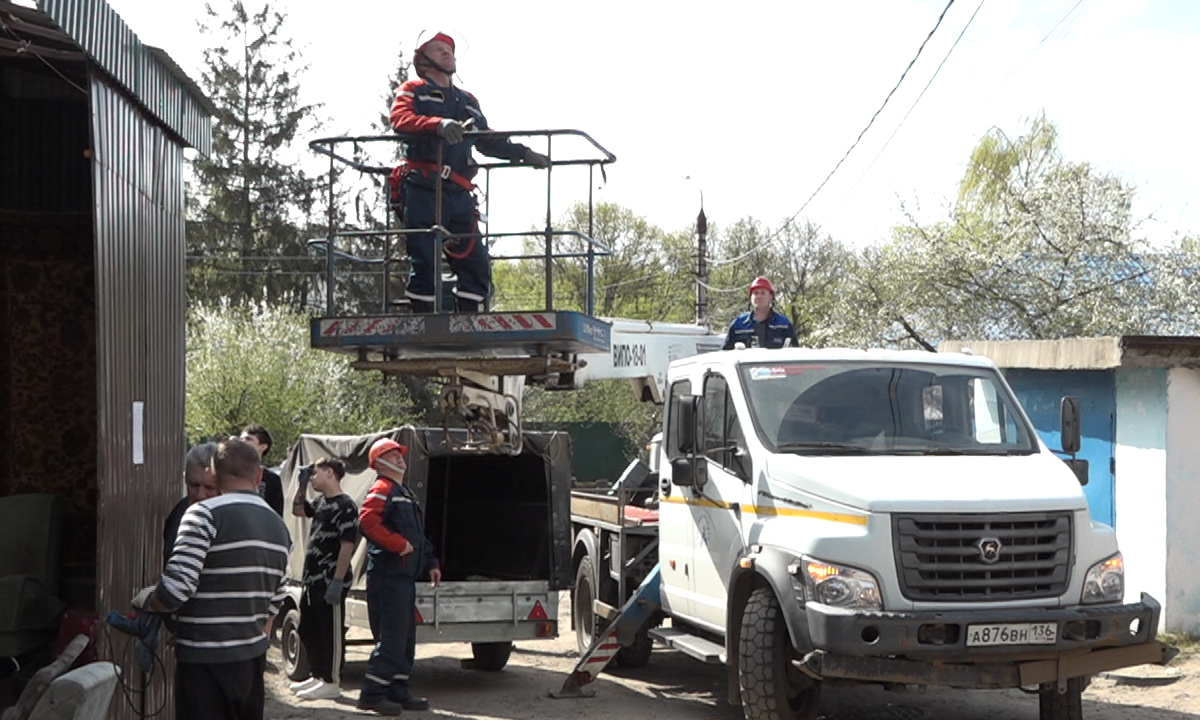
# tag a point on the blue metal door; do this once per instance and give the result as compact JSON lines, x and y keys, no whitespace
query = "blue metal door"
{"x":1041,"y":392}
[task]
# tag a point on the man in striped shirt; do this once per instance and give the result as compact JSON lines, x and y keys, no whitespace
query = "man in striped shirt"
{"x":224,"y":583}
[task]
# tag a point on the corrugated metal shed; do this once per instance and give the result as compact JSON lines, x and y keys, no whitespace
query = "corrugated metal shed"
{"x":92,"y":289}
{"x":1096,"y":353}
{"x":149,"y":74}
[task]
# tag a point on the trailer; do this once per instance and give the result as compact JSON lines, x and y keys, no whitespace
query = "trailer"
{"x":499,"y":524}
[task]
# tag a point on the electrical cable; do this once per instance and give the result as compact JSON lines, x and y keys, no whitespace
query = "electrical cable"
{"x":1046,"y":37}
{"x":921,"y":95}
{"x":130,"y":693}
{"x":772,"y":236}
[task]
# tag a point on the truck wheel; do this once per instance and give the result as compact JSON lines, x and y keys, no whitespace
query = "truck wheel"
{"x":771,"y":688}
{"x":581,"y":607}
{"x":490,"y":656}
{"x":636,"y":655}
{"x":1053,"y":705}
{"x":295,"y":657}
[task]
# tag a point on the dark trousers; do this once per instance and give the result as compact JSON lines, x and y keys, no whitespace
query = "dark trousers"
{"x":322,"y":631}
{"x":467,"y":257}
{"x":391,"y":610}
{"x":220,"y":691}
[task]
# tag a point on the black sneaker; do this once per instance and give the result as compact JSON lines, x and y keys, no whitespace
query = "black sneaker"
{"x":380,"y":707}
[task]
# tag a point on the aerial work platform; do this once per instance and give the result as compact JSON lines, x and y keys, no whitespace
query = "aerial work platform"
{"x":482,"y":360}
{"x":500,"y":333}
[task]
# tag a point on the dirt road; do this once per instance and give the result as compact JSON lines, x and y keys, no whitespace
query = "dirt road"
{"x":674,"y":687}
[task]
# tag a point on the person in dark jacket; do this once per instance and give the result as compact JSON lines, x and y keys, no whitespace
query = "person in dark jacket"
{"x":271,"y":487}
{"x":762,"y":326}
{"x":432,"y":106}
{"x":398,"y":554}
{"x":200,"y":484}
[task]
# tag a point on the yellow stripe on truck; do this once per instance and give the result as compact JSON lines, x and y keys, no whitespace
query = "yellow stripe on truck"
{"x":768,"y":510}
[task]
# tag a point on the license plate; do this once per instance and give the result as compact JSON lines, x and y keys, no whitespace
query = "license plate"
{"x":1044,"y":633}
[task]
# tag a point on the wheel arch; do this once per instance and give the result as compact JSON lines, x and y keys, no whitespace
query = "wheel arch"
{"x":768,"y":567}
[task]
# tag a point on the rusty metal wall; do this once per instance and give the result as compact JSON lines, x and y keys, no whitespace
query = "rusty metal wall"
{"x":149,"y":74}
{"x":140,"y":304}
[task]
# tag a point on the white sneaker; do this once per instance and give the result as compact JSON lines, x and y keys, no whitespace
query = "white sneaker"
{"x":321,"y":691}
{"x":303,"y":684}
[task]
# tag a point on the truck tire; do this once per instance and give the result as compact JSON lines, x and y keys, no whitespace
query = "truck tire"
{"x":1053,"y":705}
{"x":581,"y":605}
{"x":490,"y":656}
{"x":636,"y":655}
{"x":771,"y":688}
{"x":295,"y":657}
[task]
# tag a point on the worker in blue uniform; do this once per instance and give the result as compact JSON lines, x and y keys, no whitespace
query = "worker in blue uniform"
{"x":762,"y":325}
{"x":433,"y":106}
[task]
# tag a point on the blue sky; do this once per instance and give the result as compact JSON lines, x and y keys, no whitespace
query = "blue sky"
{"x":757,"y":101}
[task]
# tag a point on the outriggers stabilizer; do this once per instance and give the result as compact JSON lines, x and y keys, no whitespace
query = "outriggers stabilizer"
{"x":483,"y":358}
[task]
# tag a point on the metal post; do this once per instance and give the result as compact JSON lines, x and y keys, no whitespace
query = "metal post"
{"x":590,"y":300}
{"x":549,"y":256}
{"x":329,"y":246}
{"x":437,"y":235}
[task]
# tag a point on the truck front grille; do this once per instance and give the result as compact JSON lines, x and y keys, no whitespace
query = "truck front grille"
{"x":950,"y":558}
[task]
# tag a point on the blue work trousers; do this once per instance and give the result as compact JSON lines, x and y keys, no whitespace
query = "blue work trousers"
{"x":391,"y":610}
{"x":467,"y":256}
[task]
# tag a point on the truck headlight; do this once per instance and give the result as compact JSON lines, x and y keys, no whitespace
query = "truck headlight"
{"x":835,"y":585}
{"x":1105,"y":581}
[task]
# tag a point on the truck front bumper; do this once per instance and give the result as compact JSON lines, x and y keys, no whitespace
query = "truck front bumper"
{"x":930,"y":647}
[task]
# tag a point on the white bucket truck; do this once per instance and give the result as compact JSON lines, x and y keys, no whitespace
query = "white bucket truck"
{"x":845,"y":516}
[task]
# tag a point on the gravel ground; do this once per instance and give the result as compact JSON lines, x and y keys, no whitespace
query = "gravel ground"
{"x":674,"y":687}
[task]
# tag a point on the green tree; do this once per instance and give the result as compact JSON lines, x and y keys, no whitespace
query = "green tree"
{"x":808,"y":268}
{"x":637,"y":280}
{"x":256,"y":366}
{"x":250,"y":206}
{"x":1036,"y":246}
{"x":606,"y":401}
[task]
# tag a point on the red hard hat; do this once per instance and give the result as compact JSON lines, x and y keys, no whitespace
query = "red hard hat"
{"x":761,"y":283}
{"x":381,"y":446}
{"x":436,"y":36}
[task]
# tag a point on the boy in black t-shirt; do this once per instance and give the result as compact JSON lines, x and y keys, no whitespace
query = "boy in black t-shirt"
{"x":327,"y":576}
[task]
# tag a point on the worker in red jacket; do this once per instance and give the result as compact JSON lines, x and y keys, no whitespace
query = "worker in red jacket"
{"x":431,"y":105}
{"x":398,"y":554}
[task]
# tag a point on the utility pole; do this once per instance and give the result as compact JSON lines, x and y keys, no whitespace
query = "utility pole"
{"x":702,"y":266}
{"x":701,"y":260}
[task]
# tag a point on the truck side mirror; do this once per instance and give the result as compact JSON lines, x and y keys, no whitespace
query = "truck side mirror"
{"x":1069,"y":420}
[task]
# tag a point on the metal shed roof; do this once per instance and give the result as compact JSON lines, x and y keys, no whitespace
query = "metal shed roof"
{"x":59,"y":28}
{"x":1098,"y":353}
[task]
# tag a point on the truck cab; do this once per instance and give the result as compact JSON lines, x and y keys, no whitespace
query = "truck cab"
{"x":887,"y":517}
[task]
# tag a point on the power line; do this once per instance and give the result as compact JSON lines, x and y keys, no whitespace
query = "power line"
{"x":771,"y":238}
{"x":914,"y":105}
{"x":1046,"y":37}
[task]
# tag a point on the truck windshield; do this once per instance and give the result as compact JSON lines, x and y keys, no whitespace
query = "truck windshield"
{"x":843,"y":408}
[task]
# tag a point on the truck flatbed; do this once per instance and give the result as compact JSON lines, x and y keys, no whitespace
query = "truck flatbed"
{"x":609,"y":510}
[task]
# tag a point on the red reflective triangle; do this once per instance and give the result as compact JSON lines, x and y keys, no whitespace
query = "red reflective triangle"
{"x":538,"y":612}
{"x":417,"y":613}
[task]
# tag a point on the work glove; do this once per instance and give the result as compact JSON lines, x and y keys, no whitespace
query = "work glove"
{"x":333,"y":593}
{"x":451,"y":130}
{"x":305,"y":475}
{"x":142,"y":597}
{"x":536,"y":159}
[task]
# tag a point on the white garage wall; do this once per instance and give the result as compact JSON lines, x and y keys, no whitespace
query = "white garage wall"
{"x":1141,"y":464}
{"x":1183,"y":501}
